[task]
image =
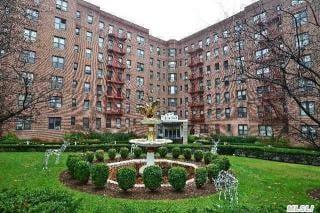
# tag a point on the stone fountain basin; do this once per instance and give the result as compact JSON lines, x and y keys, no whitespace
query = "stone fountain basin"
{"x":147,"y":143}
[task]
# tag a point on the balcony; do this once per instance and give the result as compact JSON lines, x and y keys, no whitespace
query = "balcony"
{"x":116,"y":96}
{"x":114,"y":80}
{"x":118,"y":36}
{"x":116,"y":64}
{"x":116,"y":112}
{"x":116,"y":49}
{"x":197,"y":49}
{"x":196,"y":62}
{"x":196,"y":90}
{"x":196,"y":105}
{"x":195,"y":76}
{"x":197,"y":119}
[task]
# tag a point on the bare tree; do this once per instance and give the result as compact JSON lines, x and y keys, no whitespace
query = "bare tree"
{"x":279,"y":50}
{"x":23,"y":91}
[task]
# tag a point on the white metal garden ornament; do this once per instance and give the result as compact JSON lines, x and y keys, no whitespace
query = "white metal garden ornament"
{"x":56,"y":152}
{"x":227,"y":184}
{"x":214,"y":149}
{"x":133,"y":146}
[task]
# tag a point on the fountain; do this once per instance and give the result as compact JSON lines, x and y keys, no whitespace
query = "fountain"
{"x":151,"y":142}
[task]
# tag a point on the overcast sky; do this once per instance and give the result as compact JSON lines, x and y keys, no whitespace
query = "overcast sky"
{"x":172,"y":19}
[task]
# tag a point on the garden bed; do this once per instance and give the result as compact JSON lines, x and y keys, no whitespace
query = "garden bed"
{"x":163,"y":193}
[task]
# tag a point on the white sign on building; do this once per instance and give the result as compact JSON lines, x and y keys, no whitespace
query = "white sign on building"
{"x":169,"y":117}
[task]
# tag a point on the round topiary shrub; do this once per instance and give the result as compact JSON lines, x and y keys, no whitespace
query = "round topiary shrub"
{"x":137,"y":151}
{"x":152,"y":177}
{"x":198,"y":155}
{"x":126,"y":178}
{"x":112,"y":154}
{"x":209,"y":157}
{"x":99,"y":174}
{"x":82,"y":171}
{"x":163,"y":151}
{"x":223,"y":163}
{"x":213,"y":171}
{"x":201,"y":176}
{"x":177,"y":177}
{"x":89,"y":156}
{"x":176,"y":152}
{"x":124,"y":152}
{"x":72,"y":160}
{"x":187,"y":153}
{"x":100,"y":155}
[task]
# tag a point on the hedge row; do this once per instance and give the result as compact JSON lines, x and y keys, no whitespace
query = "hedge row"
{"x":299,"y":156}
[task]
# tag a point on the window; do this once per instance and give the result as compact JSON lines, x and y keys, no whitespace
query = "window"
{"x":265,"y":131}
{"x":27,"y":78}
{"x":59,"y":42}
{"x":55,"y":102}
{"x":218,"y":98}
{"x":215,"y":38}
{"x":59,"y":23}
{"x":172,"y":102}
{"x":263,"y":72}
{"x":227,"y":112}
{"x":24,"y":100}
{"x":140,"y":81}
{"x":226,"y":65}
{"x":217,"y":66}
{"x":306,"y":61}
{"x":88,"y":53}
{"x":309,"y":132}
{"x":239,"y":45}
{"x":227,"y":97}
{"x":307,"y":107}
{"x":129,"y":36}
{"x":128,"y":64}
{"x":100,"y":57}
{"x":77,"y":31}
{"x":78,"y":14}
{"x":101,"y":42}
{"x":90,"y":19}
{"x":23,"y":124}
{"x":296,"y":2}
{"x":74,"y":102}
{"x":56,"y":82}
{"x":86,"y":87}
{"x":85,"y":123}
{"x":118,"y":123}
{"x":98,"y":123}
{"x":207,"y":41}
{"x":242,"y":95}
{"x":108,"y":122}
{"x":217,"y":82}
{"x":86,"y":105}
{"x":260,"y":54}
{"x":32,"y":14}
{"x":305,"y":84}
{"x":172,"y":90}
{"x":140,"y":95}
{"x":302,"y":40}
{"x":29,"y":56}
{"x":87,"y":70}
{"x":89,"y":36}
{"x":261,"y":17}
{"x":54,"y":123}
{"x":62,"y":5}
{"x":225,"y":50}
{"x":140,"y":67}
{"x":263,"y":90}
{"x":140,"y":40}
{"x":140,"y":53}
{"x":30,"y":35}
{"x":242,"y":129}
{"x":101,"y":25}
{"x":58,"y":62}
{"x":242,"y":112}
{"x":300,"y":18}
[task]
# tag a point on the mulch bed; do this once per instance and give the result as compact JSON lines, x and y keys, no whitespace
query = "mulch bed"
{"x":315,"y":194}
{"x":112,"y":190}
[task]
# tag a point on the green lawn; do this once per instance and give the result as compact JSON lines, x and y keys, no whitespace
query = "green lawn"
{"x":261,"y":183}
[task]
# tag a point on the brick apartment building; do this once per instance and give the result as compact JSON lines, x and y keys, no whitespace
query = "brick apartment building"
{"x":105,"y":66}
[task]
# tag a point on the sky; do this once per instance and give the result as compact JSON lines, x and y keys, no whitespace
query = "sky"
{"x":172,"y":19}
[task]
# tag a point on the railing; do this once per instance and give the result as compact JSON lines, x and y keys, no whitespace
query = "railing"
{"x":118,"y":36}
{"x":196,"y":62}
{"x":116,"y":64}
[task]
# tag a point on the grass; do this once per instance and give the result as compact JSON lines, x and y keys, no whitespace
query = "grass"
{"x":260,"y":183}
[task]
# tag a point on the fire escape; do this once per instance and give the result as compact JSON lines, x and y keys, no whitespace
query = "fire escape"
{"x":114,"y":77}
{"x":197,"y":89}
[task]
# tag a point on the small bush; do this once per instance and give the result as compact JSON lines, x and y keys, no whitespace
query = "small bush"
{"x":100,"y":155}
{"x":112,"y":154}
{"x":82,"y":171}
{"x":176,"y":152}
{"x":213,"y":171}
{"x":163,"y":151}
{"x":137,"y":151}
{"x":40,"y":200}
{"x":126,"y":178}
{"x":9,"y":138}
{"x":72,"y":160}
{"x":124,"y":152}
{"x":201,"y":176}
{"x":223,"y":163}
{"x":177,"y":178}
{"x":99,"y":174}
{"x":152,"y":177}
{"x":89,"y":156}
{"x":208,"y":157}
{"x":198,"y":155}
{"x":187,"y":153}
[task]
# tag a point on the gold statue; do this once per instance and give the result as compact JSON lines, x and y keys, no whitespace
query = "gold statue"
{"x":149,"y":110}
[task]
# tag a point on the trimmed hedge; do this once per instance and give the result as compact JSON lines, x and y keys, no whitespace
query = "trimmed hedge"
{"x":100,"y":155}
{"x":82,"y":171}
{"x":124,"y":152}
{"x":99,"y":174}
{"x":198,"y":155}
{"x":137,"y":151}
{"x":89,"y":155}
{"x":163,"y":151}
{"x":152,"y":177}
{"x":72,"y":160}
{"x":201,"y":176}
{"x":176,"y":152}
{"x":289,"y":155}
{"x":177,"y":177}
{"x":112,"y":154}
{"x":126,"y":178}
{"x":187,"y":153}
{"x":223,"y":163}
{"x":213,"y":171}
